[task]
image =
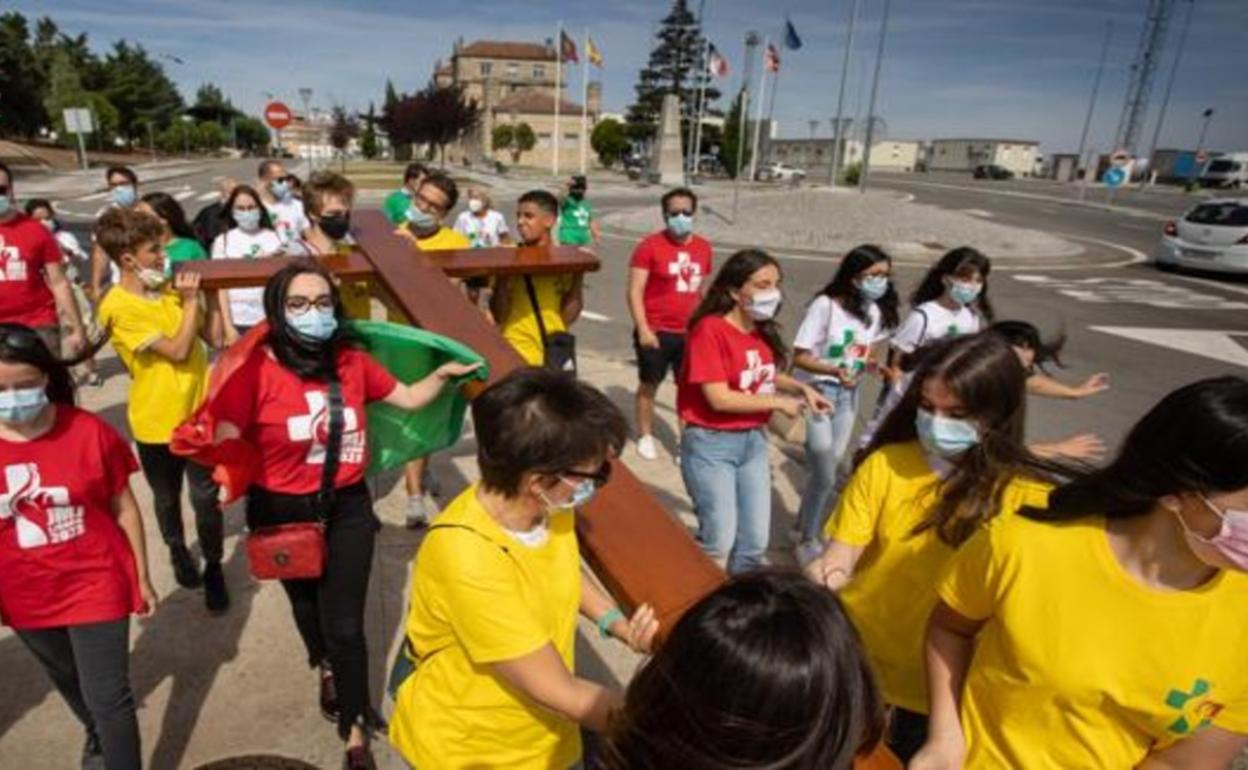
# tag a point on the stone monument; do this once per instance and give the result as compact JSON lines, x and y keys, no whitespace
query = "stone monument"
{"x":667,"y":161}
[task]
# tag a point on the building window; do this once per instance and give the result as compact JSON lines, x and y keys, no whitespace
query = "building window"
{"x":572,"y":140}
{"x":513,"y":69}
{"x":543,"y":141}
{"x":539,"y":72}
{"x":486,"y":67}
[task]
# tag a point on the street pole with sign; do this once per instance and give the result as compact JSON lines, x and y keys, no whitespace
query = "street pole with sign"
{"x":78,"y":121}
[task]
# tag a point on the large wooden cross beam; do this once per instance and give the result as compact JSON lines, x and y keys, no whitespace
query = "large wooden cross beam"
{"x":640,"y":551}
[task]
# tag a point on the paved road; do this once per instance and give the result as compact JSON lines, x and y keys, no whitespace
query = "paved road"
{"x":1152,"y":331}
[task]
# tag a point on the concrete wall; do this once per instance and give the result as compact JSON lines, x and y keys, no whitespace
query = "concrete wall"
{"x":544,"y":126}
{"x":966,"y":154}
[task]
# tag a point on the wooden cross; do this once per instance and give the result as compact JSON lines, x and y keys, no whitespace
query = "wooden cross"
{"x":640,"y":551}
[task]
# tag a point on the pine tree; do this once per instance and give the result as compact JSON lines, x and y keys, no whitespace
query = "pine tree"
{"x":675,"y":67}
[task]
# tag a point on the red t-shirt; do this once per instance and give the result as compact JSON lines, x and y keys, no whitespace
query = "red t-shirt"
{"x":64,"y":560}
{"x":287,"y":419}
{"x":26,"y":247}
{"x":717,"y":351}
{"x":673,"y":287}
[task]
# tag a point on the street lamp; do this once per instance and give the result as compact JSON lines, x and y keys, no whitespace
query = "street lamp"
{"x":305,"y":94}
{"x":751,"y":42}
{"x":186,"y":136}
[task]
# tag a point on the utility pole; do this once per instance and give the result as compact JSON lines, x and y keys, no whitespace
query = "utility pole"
{"x":875,"y":88}
{"x":1087,"y":121}
{"x":837,"y":140}
{"x":751,"y":42}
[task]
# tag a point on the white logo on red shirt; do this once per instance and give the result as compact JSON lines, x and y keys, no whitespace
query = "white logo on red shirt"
{"x":687,"y":272}
{"x":314,"y":427}
{"x":757,"y":377}
{"x":44,"y":514}
{"x":14,"y":265}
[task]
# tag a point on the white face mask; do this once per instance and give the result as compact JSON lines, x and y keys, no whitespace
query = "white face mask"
{"x":475,"y":205}
{"x":764,"y":304}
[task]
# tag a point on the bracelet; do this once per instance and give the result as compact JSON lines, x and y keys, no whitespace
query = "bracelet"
{"x":607,"y":620}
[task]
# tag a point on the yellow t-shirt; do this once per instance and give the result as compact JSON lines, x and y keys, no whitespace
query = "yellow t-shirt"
{"x":1078,"y":664}
{"x":520,"y":326}
{"x":164,"y":393}
{"x":444,"y":239}
{"x":893,"y":589}
{"x":473,"y":604}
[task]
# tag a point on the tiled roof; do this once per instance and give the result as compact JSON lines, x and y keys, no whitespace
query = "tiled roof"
{"x":496,"y":49}
{"x":532,"y":101}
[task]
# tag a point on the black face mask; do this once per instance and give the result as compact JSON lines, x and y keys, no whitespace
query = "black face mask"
{"x":336,"y":226}
{"x":576,"y":194}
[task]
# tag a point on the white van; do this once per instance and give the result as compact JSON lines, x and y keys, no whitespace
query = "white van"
{"x":1229,"y":170}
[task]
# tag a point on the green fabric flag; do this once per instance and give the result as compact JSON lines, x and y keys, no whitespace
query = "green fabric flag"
{"x":396,"y":436}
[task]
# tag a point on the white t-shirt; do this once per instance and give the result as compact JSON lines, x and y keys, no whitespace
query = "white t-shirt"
{"x":836,"y":337}
{"x":933,"y":321}
{"x":246,"y":305}
{"x":484,"y":232}
{"x":289,"y":220}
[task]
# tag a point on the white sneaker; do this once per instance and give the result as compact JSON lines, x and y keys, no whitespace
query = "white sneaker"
{"x":646,"y":449}
{"x":807,"y":551}
{"x":420,"y":509}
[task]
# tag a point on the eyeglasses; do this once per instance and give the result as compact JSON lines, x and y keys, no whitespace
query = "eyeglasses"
{"x":433,"y":206}
{"x":600,"y":477}
{"x":301,"y":305}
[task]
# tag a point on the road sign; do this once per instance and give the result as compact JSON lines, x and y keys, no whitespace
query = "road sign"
{"x":277,"y":115}
{"x":78,"y":120}
{"x":1114,"y":177}
{"x":1120,"y":158}
{"x":1202,"y":156}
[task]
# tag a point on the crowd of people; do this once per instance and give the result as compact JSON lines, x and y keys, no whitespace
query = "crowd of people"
{"x":966,"y":596}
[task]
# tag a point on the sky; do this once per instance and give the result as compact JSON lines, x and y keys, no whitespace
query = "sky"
{"x":1020,"y":69}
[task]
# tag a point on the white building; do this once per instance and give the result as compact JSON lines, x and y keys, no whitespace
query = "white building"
{"x":815,"y":155}
{"x":1018,"y":155}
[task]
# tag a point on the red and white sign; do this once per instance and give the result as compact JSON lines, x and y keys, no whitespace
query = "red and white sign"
{"x":1202,"y":156}
{"x":277,"y":115}
{"x":1120,"y":158}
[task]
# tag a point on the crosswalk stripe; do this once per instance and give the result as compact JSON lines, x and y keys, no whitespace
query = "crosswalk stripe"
{"x":207,"y":196}
{"x":95,"y":196}
{"x":184,"y":195}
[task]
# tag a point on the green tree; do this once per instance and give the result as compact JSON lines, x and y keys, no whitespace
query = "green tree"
{"x":209,"y":136}
{"x":345,"y":127}
{"x":368,"y":137}
{"x":675,"y":66}
{"x":503,"y":137}
{"x":178,"y":137}
{"x":443,"y":115}
{"x":211,"y":104}
{"x":524,"y":141}
{"x":731,"y":139}
{"x":609,"y":141}
{"x":65,"y":91}
{"x":252,"y":135}
{"x":140,"y":90}
{"x":21,"y":95}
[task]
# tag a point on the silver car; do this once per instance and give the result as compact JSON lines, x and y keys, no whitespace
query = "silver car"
{"x":1211,"y":236}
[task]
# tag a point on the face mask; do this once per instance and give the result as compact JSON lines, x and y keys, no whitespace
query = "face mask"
{"x":945,"y":436}
{"x":49,"y":224}
{"x":576,"y":195}
{"x":152,"y":279}
{"x":336,"y":226}
{"x":22,"y":406}
{"x":475,"y":205}
{"x":280,"y":189}
{"x":248,"y":221}
{"x":1231,"y":542}
{"x":6,"y":205}
{"x":421,"y":220}
{"x":125,"y":195}
{"x":873,"y":286}
{"x":318,"y":325}
{"x":680,"y":225}
{"x":964,"y":293}
{"x":534,"y":538}
{"x":582,"y":493}
{"x":764,"y":304}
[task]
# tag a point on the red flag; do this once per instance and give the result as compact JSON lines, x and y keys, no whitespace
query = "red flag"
{"x":567,"y":48}
{"x":716,"y":64}
{"x":771,"y":61}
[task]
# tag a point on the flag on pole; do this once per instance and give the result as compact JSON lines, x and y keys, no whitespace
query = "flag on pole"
{"x":716,"y":64}
{"x":771,"y":61}
{"x":592,"y":53}
{"x":567,"y":48}
{"x":791,"y":40}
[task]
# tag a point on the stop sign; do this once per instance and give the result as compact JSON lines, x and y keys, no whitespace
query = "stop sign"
{"x":277,"y":115}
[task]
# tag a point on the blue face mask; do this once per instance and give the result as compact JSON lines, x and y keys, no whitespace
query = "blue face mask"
{"x":964,"y":292}
{"x":421,"y":220}
{"x":280,"y":189}
{"x":125,"y":195}
{"x":318,"y":325}
{"x":680,"y":225}
{"x":945,"y":436}
{"x":873,"y":286}
{"x":582,"y":493}
{"x":22,"y":406}
{"x":6,"y":205}
{"x":248,"y":221}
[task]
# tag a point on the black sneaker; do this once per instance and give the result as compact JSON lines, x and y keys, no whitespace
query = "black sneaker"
{"x":184,"y":569}
{"x":216,"y":597}
{"x":328,"y":693}
{"x":92,"y":753}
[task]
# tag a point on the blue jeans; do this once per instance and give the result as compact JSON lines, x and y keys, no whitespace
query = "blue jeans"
{"x":729,"y":478}
{"x":827,"y":438}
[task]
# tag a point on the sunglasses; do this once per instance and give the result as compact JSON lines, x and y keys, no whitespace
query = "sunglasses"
{"x":600,"y":477}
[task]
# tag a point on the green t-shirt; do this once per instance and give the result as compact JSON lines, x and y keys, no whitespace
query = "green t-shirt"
{"x":396,"y":206}
{"x":574,"y":217}
{"x":182,"y":250}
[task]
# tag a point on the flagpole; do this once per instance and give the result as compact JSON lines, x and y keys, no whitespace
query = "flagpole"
{"x":771,"y":103}
{"x":691,"y":165}
{"x":751,"y":41}
{"x":584,"y":99}
{"x":554,"y":160}
{"x":758,"y":112}
{"x":701,"y":112}
{"x":837,"y":141}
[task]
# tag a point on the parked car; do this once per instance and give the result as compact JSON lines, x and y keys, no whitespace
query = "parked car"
{"x":1230,"y":170}
{"x":780,"y":172}
{"x":1212,"y":236}
{"x":992,"y":171}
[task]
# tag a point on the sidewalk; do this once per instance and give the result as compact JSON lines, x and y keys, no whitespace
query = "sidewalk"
{"x":237,"y":685}
{"x":60,"y":185}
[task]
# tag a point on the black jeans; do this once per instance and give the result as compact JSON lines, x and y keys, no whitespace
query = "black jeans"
{"x":90,"y":667}
{"x":907,"y":732}
{"x":164,"y":471}
{"x":329,"y":612}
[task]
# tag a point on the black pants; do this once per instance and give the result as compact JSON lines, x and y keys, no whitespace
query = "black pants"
{"x":907,"y":732}
{"x":90,"y":667}
{"x":329,"y":612}
{"x":164,"y":471}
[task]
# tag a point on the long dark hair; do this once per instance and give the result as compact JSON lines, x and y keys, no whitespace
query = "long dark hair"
{"x":1194,"y":440}
{"x":735,"y":273}
{"x":842,"y":288}
{"x":957,"y":263}
{"x":1021,"y":334}
{"x":984,"y":372}
{"x":169,"y":210}
{"x":20,"y":344}
{"x":766,"y":672}
{"x":227,"y":210}
{"x":305,"y":358}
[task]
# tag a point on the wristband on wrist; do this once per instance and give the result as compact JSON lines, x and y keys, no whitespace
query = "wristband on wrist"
{"x":607,"y":620}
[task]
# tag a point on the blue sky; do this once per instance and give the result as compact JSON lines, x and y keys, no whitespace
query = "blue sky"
{"x":1007,"y":68}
